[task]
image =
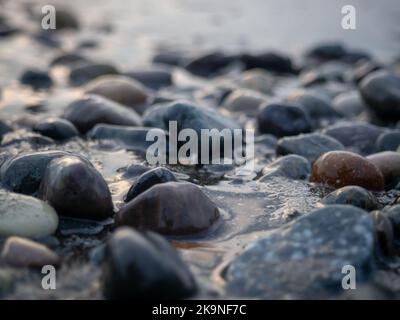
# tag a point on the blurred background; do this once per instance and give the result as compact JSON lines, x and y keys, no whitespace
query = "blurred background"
{"x":140,"y":27}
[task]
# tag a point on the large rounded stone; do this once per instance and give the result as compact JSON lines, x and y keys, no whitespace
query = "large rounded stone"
{"x":353,"y":195}
{"x":290,"y":166}
{"x":349,"y":104}
{"x":172,"y":208}
{"x":381,"y":91}
{"x":85,"y":113}
{"x":342,"y":168}
{"x":388,"y":162}
{"x":23,"y":253}
{"x":84,"y":72}
{"x":24,"y":173}
{"x":144,"y":266}
{"x":305,"y":258}
{"x":25,"y":216}
{"x":120,"y":89}
{"x":56,"y":128}
{"x":76,"y":189}
{"x":131,"y":138}
{"x":358,"y":137}
{"x":283,"y":120}
{"x":310,"y":146}
{"x":246,"y":101}
{"x":388,"y":141}
{"x":149,"y":179}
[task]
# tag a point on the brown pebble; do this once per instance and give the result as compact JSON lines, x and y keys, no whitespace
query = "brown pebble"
{"x":174,"y":208}
{"x":343,"y":168}
{"x":24,"y":253}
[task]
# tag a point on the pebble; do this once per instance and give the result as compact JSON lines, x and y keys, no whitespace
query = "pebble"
{"x":90,"y":110}
{"x":24,"y":173}
{"x":283,"y":120}
{"x":317,"y":106}
{"x":244,"y":101}
{"x":327,"y":51}
{"x":149,"y":179}
{"x":311,"y":146}
{"x":209,"y":65}
{"x":364,"y":68}
{"x":384,"y":234}
{"x":187,"y":115}
{"x":172,"y":208}
{"x":154,"y":78}
{"x":257,"y":80}
{"x":388,"y":162}
{"x":24,"y":253}
{"x":352,"y":195}
{"x":84,"y":72}
{"x":36,"y":79}
{"x":271,"y":61}
{"x":131,"y":138}
{"x":304,"y":259}
{"x":355,"y":136}
{"x":76,"y":189}
{"x":393,"y":213}
{"x":144,"y":266}
{"x":56,"y":128}
{"x":25,"y":216}
{"x":121,"y":89}
{"x":349,"y":104}
{"x":342,"y":168}
{"x":291,"y":166}
{"x":68,"y":60}
{"x":388,"y":141}
{"x":381,"y":92}
{"x":23,"y":136}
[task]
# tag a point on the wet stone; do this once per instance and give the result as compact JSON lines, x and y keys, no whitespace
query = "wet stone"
{"x":131,"y":138}
{"x":283,"y":120}
{"x":246,"y":101}
{"x":290,"y":166}
{"x":68,"y":60}
{"x":352,"y":195}
{"x":25,"y":216}
{"x":381,"y":92}
{"x":304,"y":259}
{"x":363,"y":69}
{"x":86,"y":71}
{"x":24,"y":253}
{"x":384,"y":234}
{"x":144,"y":266}
{"x":85,"y":113}
{"x":149,"y":179}
{"x":120,"y":89}
{"x":154,"y":77}
{"x":187,"y":115}
{"x":209,"y":64}
{"x":317,"y":106}
{"x":388,"y":162}
{"x":310,"y":146}
{"x":172,"y":208}
{"x":271,"y":61}
{"x":342,"y":168}
{"x":23,"y":136}
{"x":327,"y":51}
{"x":24,"y":173}
{"x":76,"y":189}
{"x":36,"y":79}
{"x":358,"y":137}
{"x":393,"y":213}
{"x":257,"y":80}
{"x":388,"y":141}
{"x":56,"y":128}
{"x":349,"y":104}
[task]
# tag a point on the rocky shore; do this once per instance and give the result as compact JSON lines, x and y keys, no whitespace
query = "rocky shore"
{"x":77,"y":192}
